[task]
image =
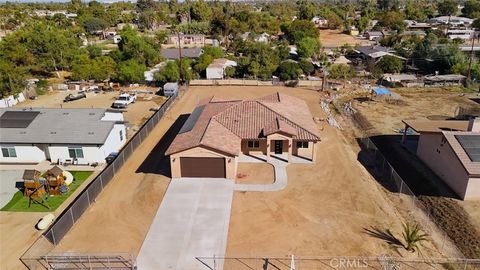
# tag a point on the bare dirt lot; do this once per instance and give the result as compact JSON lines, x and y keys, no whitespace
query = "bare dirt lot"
{"x":416,"y":103}
{"x":335,"y":38}
{"x":255,"y":173}
{"x":326,"y":209}
{"x":459,"y":219}
{"x":136,"y":114}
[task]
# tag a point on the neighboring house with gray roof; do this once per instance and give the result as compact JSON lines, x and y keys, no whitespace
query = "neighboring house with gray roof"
{"x":174,"y":53}
{"x":79,"y":136}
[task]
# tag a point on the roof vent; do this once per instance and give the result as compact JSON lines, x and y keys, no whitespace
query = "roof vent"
{"x":92,"y":113}
{"x":65,"y":113}
{"x":23,"y":132}
{"x":91,"y":133}
{"x":53,"y":132}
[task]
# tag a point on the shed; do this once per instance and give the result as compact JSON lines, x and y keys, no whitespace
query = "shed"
{"x":170,"y":89}
{"x":444,"y":80}
{"x":403,"y":80}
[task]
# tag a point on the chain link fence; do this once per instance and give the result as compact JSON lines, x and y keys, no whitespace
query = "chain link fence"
{"x":329,"y":263}
{"x":53,"y":235}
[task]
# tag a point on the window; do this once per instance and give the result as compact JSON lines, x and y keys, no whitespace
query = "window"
{"x":9,"y":152}
{"x":75,"y":152}
{"x":121,"y":135}
{"x":253,"y":144}
{"x":302,"y":144}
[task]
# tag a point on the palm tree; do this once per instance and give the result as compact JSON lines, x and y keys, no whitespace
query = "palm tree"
{"x":412,"y":236}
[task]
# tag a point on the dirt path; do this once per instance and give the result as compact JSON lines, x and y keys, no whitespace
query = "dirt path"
{"x":335,"y":38}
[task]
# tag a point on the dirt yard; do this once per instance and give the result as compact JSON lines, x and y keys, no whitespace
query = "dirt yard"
{"x":459,"y":219}
{"x":136,"y":114}
{"x":255,"y":173}
{"x":416,"y":104}
{"x":335,"y":38}
{"x":332,"y":208}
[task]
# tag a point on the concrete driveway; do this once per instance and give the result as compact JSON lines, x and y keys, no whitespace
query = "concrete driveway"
{"x":192,"y":221}
{"x":8,"y":180}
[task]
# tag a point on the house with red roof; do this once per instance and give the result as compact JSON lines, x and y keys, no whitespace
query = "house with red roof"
{"x":219,"y":132}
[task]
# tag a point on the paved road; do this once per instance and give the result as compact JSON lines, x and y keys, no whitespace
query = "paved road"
{"x":192,"y":221}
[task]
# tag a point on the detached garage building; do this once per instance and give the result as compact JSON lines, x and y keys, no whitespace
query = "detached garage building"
{"x":219,"y":131}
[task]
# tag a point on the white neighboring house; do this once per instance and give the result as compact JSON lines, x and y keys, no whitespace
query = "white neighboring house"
{"x":11,"y":100}
{"x":320,"y":22}
{"x":463,"y":34}
{"x":262,"y":38}
{"x":216,"y":70}
{"x":452,"y":20}
{"x":78,"y":136}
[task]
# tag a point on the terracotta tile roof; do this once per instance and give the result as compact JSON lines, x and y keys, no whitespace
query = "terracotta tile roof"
{"x":279,"y":125}
{"x":223,"y":124}
{"x":473,"y":168}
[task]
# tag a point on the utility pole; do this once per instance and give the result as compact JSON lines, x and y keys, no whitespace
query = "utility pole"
{"x":180,"y":57}
{"x":471,"y":57}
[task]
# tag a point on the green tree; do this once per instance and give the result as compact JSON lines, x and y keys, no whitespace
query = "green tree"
{"x":448,"y":7}
{"x":200,"y":11}
{"x":169,"y":73}
{"x":94,"y":51}
{"x":390,"y":64}
{"x":299,"y":29}
{"x":341,"y":71}
{"x":140,"y":48}
{"x":306,"y":65}
{"x":12,"y":78}
{"x":306,"y":10}
{"x":471,"y":9}
{"x":130,"y":71}
{"x":393,"y":20}
{"x":229,"y":72}
{"x":92,"y":24}
{"x":289,"y":70}
{"x":412,"y":236}
{"x":308,"y":47}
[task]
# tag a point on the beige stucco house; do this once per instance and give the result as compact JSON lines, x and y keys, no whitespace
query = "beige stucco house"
{"x":219,"y":131}
{"x":452,"y":150}
{"x":187,"y":40}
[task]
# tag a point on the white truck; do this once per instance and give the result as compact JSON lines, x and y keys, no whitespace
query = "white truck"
{"x":124,"y":100}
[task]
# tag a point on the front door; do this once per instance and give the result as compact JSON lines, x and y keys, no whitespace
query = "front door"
{"x":278,"y":147}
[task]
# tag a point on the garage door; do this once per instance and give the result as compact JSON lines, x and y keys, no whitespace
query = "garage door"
{"x":202,"y":167}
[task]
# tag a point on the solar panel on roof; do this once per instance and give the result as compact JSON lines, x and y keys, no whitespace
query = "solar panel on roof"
{"x":192,"y":119}
{"x":471,"y":145}
{"x":17,"y":119}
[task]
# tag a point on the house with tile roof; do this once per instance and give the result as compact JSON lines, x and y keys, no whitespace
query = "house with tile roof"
{"x":452,"y":151}
{"x":218,"y":132}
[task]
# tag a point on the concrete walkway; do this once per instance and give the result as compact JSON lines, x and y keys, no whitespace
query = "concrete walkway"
{"x":192,"y":221}
{"x":281,"y":179}
{"x":8,"y":180}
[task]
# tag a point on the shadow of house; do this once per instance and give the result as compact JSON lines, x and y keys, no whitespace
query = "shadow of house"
{"x":420,"y":179}
{"x":156,"y":161}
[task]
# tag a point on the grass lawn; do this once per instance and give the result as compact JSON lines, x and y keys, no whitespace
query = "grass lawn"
{"x":19,"y":203}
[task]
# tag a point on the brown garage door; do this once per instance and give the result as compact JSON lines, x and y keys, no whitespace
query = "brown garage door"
{"x":202,"y":167}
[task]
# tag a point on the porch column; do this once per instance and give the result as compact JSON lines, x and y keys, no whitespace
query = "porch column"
{"x":268,"y":149}
{"x":314,"y":149}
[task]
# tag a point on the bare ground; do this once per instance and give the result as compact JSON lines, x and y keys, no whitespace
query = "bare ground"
{"x":335,"y":38}
{"x":459,"y":219}
{"x":255,"y":173}
{"x":326,"y":209}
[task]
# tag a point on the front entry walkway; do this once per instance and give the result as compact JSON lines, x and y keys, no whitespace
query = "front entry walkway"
{"x":192,"y":221}
{"x":280,"y":170}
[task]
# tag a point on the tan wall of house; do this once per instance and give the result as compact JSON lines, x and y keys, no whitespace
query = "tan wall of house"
{"x":254,"y":151}
{"x":441,"y":158}
{"x":230,"y":161}
{"x":304,"y":152}
{"x":473,"y":189}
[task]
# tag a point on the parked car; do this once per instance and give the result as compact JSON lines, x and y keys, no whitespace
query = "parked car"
{"x":72,"y":97}
{"x":124,"y":100}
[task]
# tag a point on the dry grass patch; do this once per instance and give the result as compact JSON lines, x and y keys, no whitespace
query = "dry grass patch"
{"x":255,"y":173}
